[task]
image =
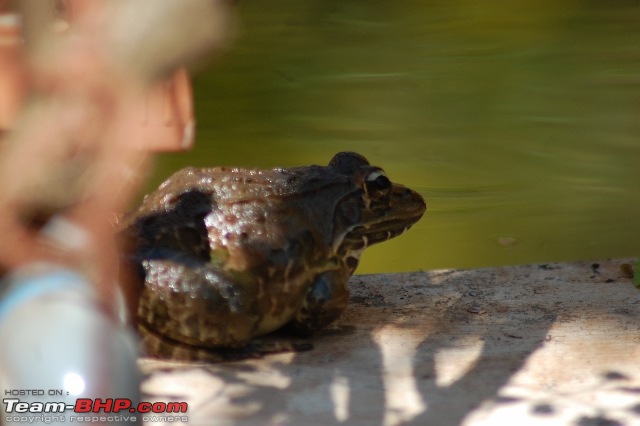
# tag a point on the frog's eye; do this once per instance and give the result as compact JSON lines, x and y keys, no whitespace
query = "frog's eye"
{"x":377,"y":183}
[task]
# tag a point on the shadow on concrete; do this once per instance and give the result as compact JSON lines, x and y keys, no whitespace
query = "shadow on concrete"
{"x":423,"y":349}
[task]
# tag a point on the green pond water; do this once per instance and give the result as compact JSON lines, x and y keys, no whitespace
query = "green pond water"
{"x":519,"y":122}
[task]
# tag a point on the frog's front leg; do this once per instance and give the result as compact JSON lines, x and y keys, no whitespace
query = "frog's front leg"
{"x":325,"y":300}
{"x":196,"y":304}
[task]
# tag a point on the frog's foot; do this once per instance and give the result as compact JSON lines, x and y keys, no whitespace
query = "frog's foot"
{"x":325,"y":300}
{"x":154,"y":345}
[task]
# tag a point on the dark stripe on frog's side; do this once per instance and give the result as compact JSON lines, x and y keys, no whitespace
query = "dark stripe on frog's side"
{"x":178,"y":227}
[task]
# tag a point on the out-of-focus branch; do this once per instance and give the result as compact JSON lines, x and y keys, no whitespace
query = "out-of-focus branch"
{"x":71,"y":161}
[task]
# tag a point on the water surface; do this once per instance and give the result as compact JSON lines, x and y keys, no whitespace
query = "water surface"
{"x":518,"y":122}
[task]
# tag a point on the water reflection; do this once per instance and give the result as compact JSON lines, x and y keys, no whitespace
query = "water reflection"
{"x":514,"y":120}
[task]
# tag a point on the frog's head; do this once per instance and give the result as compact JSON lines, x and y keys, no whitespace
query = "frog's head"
{"x":375,"y":210}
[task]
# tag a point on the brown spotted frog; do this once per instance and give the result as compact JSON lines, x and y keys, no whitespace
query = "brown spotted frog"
{"x":230,"y":254}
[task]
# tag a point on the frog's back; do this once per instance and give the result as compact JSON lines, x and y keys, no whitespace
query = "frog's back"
{"x":237,"y":185}
{"x":241,"y":215}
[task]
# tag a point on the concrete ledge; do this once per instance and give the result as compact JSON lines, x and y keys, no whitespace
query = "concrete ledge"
{"x":556,"y":343}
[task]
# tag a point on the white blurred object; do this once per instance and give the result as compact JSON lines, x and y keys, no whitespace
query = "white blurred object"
{"x":57,"y":339}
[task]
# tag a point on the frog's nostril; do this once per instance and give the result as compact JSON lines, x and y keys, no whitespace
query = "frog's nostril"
{"x":407,"y":193}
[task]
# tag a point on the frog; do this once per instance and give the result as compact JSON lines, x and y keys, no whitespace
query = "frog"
{"x":224,"y":255}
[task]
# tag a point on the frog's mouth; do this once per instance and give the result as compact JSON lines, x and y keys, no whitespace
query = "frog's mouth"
{"x":383,"y":228}
{"x":362,"y":236}
{"x":385,"y":219}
